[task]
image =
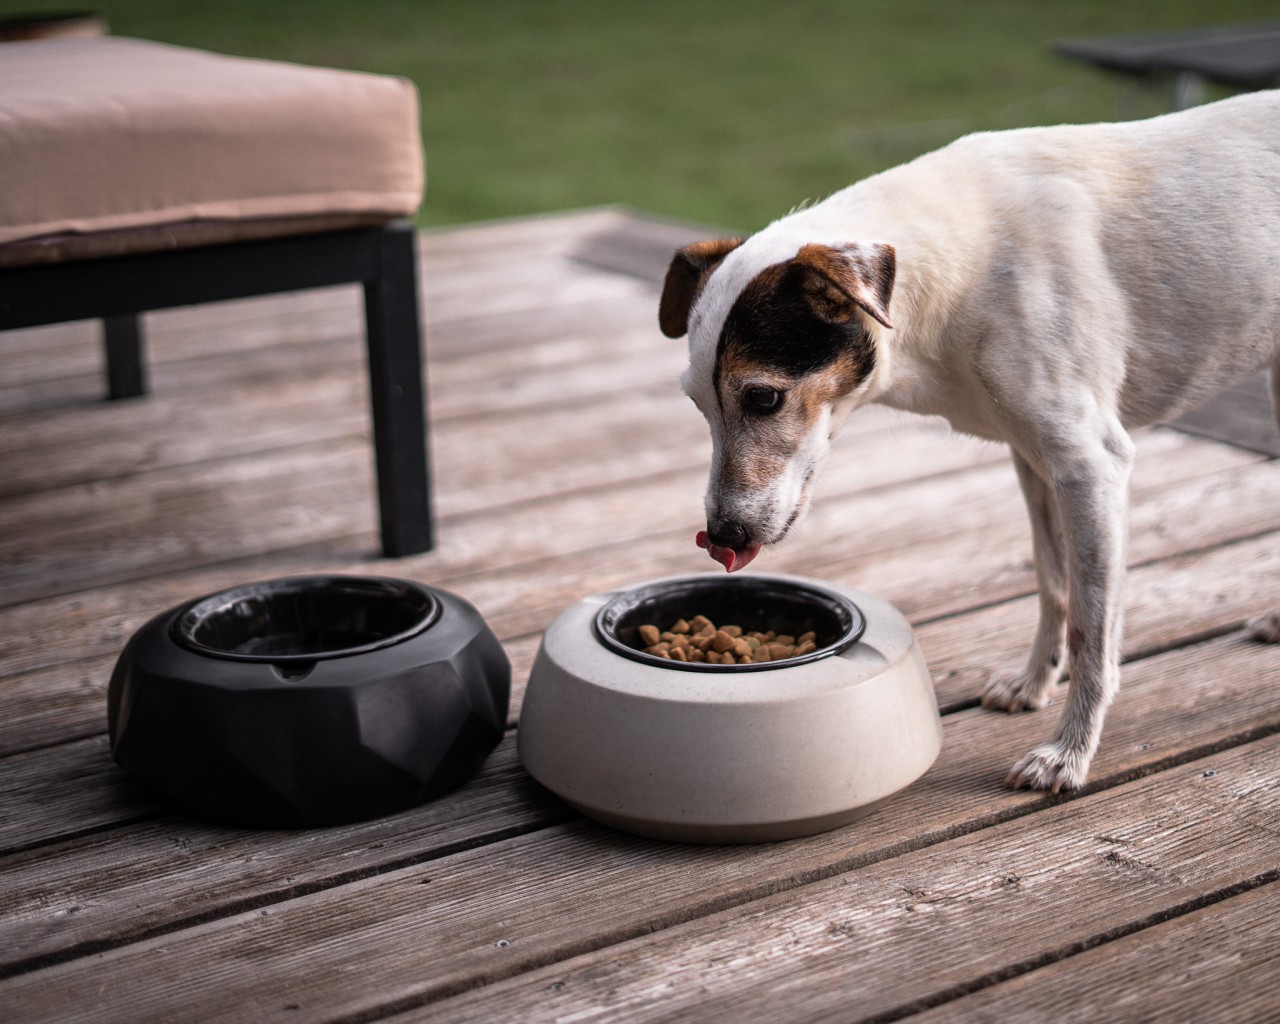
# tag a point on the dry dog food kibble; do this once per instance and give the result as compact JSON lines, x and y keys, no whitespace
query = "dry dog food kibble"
{"x":699,"y":639}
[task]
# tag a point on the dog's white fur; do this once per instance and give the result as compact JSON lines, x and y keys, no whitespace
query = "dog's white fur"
{"x":1055,"y":287}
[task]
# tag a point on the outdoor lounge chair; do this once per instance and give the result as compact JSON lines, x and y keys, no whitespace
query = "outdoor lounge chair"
{"x":137,"y":176}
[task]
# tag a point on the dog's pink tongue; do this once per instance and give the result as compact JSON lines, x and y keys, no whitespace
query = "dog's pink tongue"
{"x":731,"y":558}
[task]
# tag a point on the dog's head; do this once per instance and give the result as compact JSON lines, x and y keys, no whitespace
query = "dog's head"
{"x":782,"y":342}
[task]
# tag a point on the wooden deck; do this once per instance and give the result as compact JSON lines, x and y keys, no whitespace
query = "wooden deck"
{"x":568,"y":462}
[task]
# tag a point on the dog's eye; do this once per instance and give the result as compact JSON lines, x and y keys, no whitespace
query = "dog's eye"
{"x":761,"y":399}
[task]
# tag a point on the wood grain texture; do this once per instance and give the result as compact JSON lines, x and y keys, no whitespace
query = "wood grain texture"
{"x":167,"y":869}
{"x":1215,"y":965}
{"x":565,"y":889}
{"x":568,"y":463}
{"x":911,"y":930}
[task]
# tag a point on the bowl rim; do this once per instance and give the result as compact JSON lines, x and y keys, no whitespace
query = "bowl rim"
{"x":625,"y":600}
{"x":189,"y":615}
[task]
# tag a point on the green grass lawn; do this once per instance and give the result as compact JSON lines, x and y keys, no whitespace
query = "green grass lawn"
{"x":726,"y":112}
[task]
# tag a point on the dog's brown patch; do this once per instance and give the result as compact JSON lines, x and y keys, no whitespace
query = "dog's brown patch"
{"x":686,"y":277}
{"x":795,"y":319}
{"x":854,"y":276}
{"x":761,"y":444}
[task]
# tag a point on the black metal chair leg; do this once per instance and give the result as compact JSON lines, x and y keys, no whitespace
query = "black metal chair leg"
{"x":385,"y":259}
{"x":397,"y":391}
{"x":126,"y":367}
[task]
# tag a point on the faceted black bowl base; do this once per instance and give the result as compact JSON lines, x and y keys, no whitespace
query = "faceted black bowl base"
{"x":309,"y":701}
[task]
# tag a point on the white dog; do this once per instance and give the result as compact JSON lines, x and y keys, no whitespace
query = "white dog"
{"x":1051,"y":288}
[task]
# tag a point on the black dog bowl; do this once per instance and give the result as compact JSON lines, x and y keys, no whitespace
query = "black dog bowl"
{"x":310,"y":700}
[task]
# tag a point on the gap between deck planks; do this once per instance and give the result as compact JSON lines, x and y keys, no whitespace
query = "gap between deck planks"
{"x":898,"y":506}
{"x":1216,"y":963}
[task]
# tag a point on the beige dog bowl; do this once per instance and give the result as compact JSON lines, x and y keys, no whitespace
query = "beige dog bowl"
{"x":729,"y":754}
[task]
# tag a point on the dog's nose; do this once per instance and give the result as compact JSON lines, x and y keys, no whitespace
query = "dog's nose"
{"x":727,"y":533}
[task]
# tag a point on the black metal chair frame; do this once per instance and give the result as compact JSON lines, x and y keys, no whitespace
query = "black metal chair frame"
{"x":383,"y":258}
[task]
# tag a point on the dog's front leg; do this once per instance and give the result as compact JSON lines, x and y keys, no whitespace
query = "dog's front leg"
{"x":1030,"y":689}
{"x":1091,"y":481}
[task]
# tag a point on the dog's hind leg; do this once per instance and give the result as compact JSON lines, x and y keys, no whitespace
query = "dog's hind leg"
{"x":1091,"y":481}
{"x":1267,"y":627}
{"x":1031,"y":688}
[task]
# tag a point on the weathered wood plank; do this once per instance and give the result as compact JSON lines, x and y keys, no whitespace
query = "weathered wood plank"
{"x":97,"y":535}
{"x":476,"y":452}
{"x":57,"y":365}
{"x":547,"y":234}
{"x":78,"y":782}
{"x":642,"y":246}
{"x":170,"y":870}
{"x":425,"y":932}
{"x":1168,"y":602}
{"x":854,"y":947}
{"x":91,"y":444}
{"x":288,"y":405}
{"x":53,"y":363}
{"x":565,"y":356}
{"x":1174,"y":705}
{"x":54,"y":705}
{"x":218,"y":511}
{"x":519,"y":457}
{"x":1218,"y":964}
{"x":1243,"y":415}
{"x":41,"y":360}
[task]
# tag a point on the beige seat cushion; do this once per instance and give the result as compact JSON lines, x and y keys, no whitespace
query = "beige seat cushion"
{"x":111,"y":145}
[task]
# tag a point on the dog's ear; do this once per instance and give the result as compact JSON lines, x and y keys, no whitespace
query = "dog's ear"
{"x":834,"y":280}
{"x":689,"y":270}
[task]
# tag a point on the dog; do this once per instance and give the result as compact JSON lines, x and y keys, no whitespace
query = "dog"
{"x":1049,"y":288}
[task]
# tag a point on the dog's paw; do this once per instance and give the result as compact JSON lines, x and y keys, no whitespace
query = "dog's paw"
{"x":1265,"y":628}
{"x":1050,"y":767}
{"x":1023,"y":691}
